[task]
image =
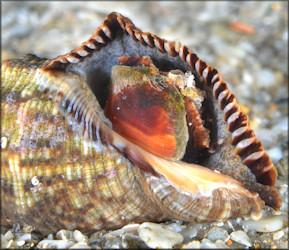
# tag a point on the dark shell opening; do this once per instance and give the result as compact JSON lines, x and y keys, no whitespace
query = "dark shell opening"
{"x":233,"y":148}
{"x":96,"y":70}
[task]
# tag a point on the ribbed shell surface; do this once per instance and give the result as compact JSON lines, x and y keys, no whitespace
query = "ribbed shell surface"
{"x":50,"y":167}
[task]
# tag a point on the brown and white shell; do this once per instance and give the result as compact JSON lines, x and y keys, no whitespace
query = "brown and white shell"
{"x":63,"y":165}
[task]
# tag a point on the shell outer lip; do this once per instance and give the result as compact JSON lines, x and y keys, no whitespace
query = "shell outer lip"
{"x":266,"y":173}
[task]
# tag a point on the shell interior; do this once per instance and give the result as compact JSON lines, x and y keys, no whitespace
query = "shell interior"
{"x":222,"y":154}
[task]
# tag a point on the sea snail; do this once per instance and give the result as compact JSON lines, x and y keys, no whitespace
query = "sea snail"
{"x":126,"y":128}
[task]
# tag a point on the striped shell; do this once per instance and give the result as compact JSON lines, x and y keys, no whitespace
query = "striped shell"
{"x":63,"y":166}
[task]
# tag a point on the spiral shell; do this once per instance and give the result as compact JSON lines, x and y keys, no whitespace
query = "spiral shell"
{"x":64,"y":165}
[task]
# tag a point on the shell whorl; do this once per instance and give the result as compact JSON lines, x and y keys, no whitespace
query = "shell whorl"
{"x":76,"y":183}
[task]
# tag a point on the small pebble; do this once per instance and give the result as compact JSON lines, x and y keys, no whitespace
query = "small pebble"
{"x":278,"y":235}
{"x":80,"y":245}
{"x":221,"y":244}
{"x":238,"y":219}
{"x":195,"y":244}
{"x":125,"y":229}
{"x":25,"y":237}
{"x":55,"y":244}
{"x":257,"y":246}
{"x":206,"y":243}
{"x":78,"y":236}
{"x":190,"y":231}
{"x":279,"y":212}
{"x":20,"y":243}
{"x":4,"y":141}
{"x":174,"y":227}
{"x":50,"y":236}
{"x":8,"y":244}
{"x":229,"y":242}
{"x":217,"y":233}
{"x":3,"y":241}
{"x":268,"y":224}
{"x":265,"y":77}
{"x":158,"y":236}
{"x":282,"y":125}
{"x":218,"y":223}
{"x":9,"y":235}
{"x":64,"y":234}
{"x":241,"y":237}
{"x":275,"y":154}
{"x":256,"y":215}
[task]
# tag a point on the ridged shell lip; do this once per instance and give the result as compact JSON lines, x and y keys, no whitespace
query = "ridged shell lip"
{"x":116,"y":30}
{"x":115,"y":23}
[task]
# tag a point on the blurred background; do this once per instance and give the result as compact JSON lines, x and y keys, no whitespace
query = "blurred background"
{"x":245,"y":40}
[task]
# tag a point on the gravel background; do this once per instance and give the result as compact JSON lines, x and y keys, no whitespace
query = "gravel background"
{"x":246,"y":41}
